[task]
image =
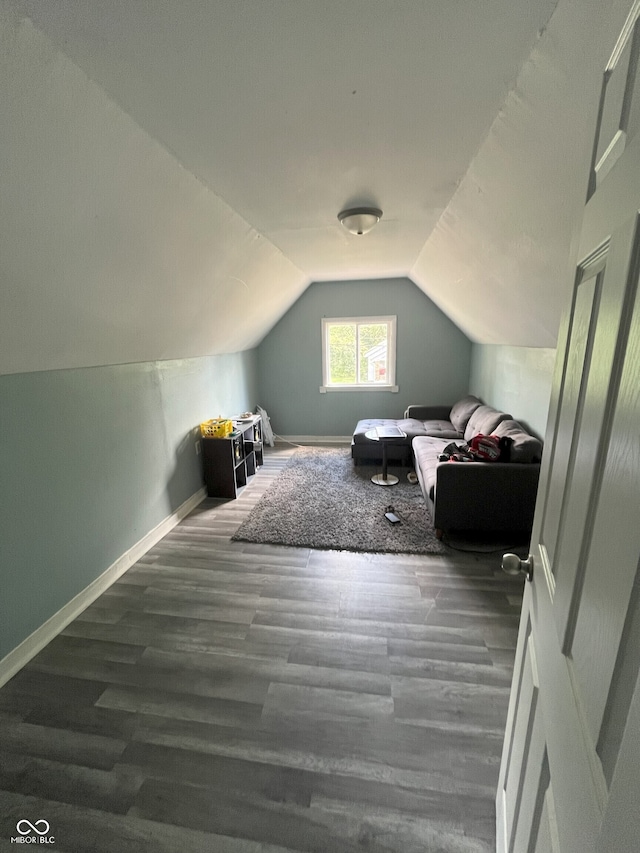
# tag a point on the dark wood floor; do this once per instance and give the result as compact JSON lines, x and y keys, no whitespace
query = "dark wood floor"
{"x":232,"y":697}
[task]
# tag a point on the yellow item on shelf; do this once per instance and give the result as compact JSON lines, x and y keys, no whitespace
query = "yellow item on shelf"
{"x":216,"y":428}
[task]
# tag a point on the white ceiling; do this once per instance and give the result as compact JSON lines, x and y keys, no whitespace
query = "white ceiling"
{"x":290,"y":110}
{"x":171,"y":172}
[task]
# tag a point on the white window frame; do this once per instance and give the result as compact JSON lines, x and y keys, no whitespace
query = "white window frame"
{"x":391,"y":322}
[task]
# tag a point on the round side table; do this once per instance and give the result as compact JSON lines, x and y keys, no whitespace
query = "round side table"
{"x":384,"y":479}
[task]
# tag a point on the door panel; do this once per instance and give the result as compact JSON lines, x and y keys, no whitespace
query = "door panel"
{"x":577,"y":362}
{"x":580,"y":345}
{"x":533,"y":772}
{"x":604,"y":596}
{"x":526,"y":748}
{"x":621,"y":826}
{"x":619,"y":113}
{"x":617,"y":288}
{"x":622,"y":686}
{"x":546,"y":839}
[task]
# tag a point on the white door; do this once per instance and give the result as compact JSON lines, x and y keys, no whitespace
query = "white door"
{"x":570,"y":773}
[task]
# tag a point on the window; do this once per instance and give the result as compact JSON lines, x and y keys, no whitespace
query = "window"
{"x":358,"y":352}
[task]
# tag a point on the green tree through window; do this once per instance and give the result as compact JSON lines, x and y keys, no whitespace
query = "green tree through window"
{"x":342,"y":354}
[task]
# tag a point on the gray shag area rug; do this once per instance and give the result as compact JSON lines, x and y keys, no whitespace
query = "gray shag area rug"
{"x":321,"y":500}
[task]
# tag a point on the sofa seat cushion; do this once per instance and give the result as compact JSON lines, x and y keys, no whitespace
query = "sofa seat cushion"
{"x":410,"y":426}
{"x":426,"y":452}
{"x":484,"y":421}
{"x":462,"y":411}
{"x":525,"y":447}
{"x":441,"y":429}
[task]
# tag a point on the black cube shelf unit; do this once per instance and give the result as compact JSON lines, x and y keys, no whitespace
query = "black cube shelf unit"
{"x":230,"y":461}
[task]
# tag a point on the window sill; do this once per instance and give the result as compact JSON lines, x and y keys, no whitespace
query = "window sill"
{"x":330,"y":388}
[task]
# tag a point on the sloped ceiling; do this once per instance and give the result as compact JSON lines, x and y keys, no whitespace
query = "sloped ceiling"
{"x":290,"y":111}
{"x":500,"y":261}
{"x":261,"y":119}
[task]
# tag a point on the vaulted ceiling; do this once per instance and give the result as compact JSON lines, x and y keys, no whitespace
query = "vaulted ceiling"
{"x":286,"y":111}
{"x":291,"y":110}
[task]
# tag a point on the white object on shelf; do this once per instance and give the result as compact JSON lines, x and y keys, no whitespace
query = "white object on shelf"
{"x":267,"y":432}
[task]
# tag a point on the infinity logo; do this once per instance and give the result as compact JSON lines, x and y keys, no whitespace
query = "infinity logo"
{"x":32,"y":827}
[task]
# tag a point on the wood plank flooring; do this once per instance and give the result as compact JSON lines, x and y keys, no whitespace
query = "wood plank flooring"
{"x":226,"y":696}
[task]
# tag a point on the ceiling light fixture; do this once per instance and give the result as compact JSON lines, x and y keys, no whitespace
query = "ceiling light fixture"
{"x":360,"y":220}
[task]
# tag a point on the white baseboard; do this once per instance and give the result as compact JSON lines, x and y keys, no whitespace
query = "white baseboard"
{"x":30,"y":647}
{"x":315,"y":439}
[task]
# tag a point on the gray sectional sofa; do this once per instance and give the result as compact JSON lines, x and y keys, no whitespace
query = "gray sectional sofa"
{"x":464,"y":496}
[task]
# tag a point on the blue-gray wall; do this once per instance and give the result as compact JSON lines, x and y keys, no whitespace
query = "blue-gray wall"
{"x":91,"y":460}
{"x":516,"y":380}
{"x":433,"y":358}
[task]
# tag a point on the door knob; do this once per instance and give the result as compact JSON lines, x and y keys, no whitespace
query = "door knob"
{"x":513,"y":565}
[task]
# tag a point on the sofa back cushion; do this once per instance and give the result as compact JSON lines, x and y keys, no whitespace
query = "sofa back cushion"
{"x":462,"y":411}
{"x":484,"y":421}
{"x":525,"y":447}
{"x":440,"y":429}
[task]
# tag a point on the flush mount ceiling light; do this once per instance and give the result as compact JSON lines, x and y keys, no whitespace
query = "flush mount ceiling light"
{"x":360,"y":220}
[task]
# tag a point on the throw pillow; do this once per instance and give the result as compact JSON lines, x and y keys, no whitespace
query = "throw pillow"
{"x":525,"y":447}
{"x":462,"y":411}
{"x":484,"y":420}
